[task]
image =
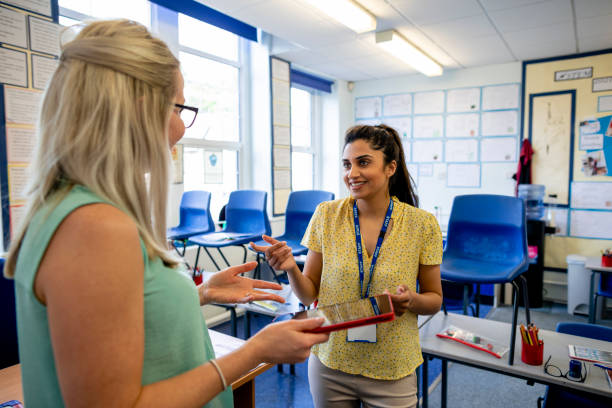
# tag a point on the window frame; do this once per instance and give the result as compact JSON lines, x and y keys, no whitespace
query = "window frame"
{"x":313,"y":149}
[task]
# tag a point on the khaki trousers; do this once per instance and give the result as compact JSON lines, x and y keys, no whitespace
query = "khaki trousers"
{"x":336,"y":389}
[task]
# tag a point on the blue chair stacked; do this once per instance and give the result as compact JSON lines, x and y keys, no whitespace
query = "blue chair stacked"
{"x":194,"y":219}
{"x":301,"y":205}
{"x":246,"y":220}
{"x":558,"y":397}
{"x":9,"y":352}
{"x":605,"y":290}
{"x":487,"y":243}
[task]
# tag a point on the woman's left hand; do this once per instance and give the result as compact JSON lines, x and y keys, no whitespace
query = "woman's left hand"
{"x":227,"y":286}
{"x":403,"y":299}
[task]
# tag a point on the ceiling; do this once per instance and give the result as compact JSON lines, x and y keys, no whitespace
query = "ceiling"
{"x":456,"y":33}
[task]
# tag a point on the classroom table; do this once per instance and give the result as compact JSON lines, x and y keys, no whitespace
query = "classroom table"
{"x":555,"y":345}
{"x":243,"y":387}
{"x":594,"y":265}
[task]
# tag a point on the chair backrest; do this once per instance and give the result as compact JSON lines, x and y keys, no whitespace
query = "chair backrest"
{"x":300,"y":208}
{"x":246,"y":212}
{"x":488,"y":227}
{"x":592,"y":331}
{"x":195,"y":210}
{"x":9,"y":352}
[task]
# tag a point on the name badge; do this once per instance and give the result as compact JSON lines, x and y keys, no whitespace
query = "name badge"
{"x":363,"y":334}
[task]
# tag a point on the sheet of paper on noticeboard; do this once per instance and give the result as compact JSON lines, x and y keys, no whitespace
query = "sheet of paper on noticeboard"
{"x":427,"y":151}
{"x":500,"y":97}
{"x":591,"y":224}
{"x":368,"y":107}
{"x":429,"y":126}
{"x":461,"y":150}
{"x":462,"y":125}
{"x":463,"y":100}
{"x":428,"y":102}
{"x":397,"y":105}
{"x":592,"y":195}
{"x":463,"y":175}
{"x":498,"y":149}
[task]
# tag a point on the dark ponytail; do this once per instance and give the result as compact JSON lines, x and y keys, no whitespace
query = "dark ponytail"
{"x":386,"y":139}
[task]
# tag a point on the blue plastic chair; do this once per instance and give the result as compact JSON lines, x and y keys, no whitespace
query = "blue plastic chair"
{"x":9,"y":352}
{"x":605,"y":290}
{"x":301,"y":205}
{"x":487,"y":243}
{"x":194,"y":218}
{"x":246,"y":220}
{"x":558,"y":397}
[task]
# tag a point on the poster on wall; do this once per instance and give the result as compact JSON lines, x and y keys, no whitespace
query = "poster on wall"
{"x":596,"y":139}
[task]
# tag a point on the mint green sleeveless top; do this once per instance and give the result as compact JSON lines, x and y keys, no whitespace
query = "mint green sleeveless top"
{"x":176,"y":336}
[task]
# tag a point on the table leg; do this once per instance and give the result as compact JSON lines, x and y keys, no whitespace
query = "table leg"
{"x":425,"y":382}
{"x":444,"y":383}
{"x":591,"y":303}
{"x":247,"y":324}
{"x":466,"y":298}
{"x":515,"y":306}
{"x":234,"y":323}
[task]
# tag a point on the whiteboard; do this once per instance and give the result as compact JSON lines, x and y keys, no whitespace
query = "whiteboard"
{"x":500,"y":123}
{"x":500,"y":97}
{"x":403,"y":126}
{"x":463,"y":100}
{"x":428,"y":102}
{"x":462,"y":125}
{"x":461,"y":150}
{"x":368,"y":107}
{"x":428,"y":126}
{"x":498,"y":149}
{"x":397,"y":105}
{"x":427,"y":151}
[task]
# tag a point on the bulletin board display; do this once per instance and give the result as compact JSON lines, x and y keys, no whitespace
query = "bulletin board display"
{"x":280,"y":80}
{"x":571,"y":147}
{"x":29,"y":51}
{"x":454,"y":139}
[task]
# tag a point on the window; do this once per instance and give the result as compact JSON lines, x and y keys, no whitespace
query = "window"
{"x":302,"y":153}
{"x":211,"y":70}
{"x":74,"y":11}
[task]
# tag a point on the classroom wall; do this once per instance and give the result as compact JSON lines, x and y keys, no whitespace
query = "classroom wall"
{"x":540,"y":78}
{"x":432,"y":190}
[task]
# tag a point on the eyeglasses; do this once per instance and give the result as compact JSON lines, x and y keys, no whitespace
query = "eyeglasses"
{"x":555,"y":371}
{"x":187,"y":113}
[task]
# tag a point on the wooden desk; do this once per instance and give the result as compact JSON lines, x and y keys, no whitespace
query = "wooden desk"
{"x":244,"y":387}
{"x":594,"y":265}
{"x":555,"y":345}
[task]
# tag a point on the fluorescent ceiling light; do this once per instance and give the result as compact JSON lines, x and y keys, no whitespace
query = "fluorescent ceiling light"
{"x":401,"y":49}
{"x":348,"y":13}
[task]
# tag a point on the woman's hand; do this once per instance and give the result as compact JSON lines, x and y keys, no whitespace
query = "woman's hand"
{"x":287,"y":342}
{"x":278,"y":254}
{"x":403,"y":299}
{"x":227,"y":287}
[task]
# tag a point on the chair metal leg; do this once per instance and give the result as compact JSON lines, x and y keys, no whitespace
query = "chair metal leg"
{"x":247,"y":324}
{"x":478,"y":300}
{"x":525,"y":298}
{"x":425,"y":382}
{"x":211,"y":258}
{"x":514,"y":317}
{"x":594,"y":318}
{"x":184,"y":242}
{"x":466,"y":299}
{"x":444,"y":307}
{"x":234,"y":322}
{"x":245,"y":253}
{"x":444,"y":396}
{"x":224,"y":258}
{"x":195,"y":266}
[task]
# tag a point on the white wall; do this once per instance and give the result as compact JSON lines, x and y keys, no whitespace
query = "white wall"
{"x":432,"y":191}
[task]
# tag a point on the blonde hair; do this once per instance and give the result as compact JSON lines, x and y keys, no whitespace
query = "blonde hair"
{"x":103,"y":124}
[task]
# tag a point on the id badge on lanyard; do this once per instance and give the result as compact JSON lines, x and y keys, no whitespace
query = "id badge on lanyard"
{"x":367,"y":334}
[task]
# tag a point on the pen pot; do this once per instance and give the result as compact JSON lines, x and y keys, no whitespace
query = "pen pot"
{"x":532,"y":355}
{"x":606,"y":260}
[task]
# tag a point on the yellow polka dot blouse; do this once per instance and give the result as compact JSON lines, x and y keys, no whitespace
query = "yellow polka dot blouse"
{"x":414,"y":239}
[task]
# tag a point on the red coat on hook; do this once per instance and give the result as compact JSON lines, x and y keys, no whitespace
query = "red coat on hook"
{"x":523,"y":172}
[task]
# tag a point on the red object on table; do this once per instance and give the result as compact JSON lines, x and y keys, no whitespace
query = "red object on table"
{"x":197,"y":277}
{"x":606,"y":260}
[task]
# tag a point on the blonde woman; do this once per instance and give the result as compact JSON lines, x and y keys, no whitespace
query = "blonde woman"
{"x":105,"y":317}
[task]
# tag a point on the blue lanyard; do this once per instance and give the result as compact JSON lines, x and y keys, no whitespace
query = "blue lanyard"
{"x":381,"y":236}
